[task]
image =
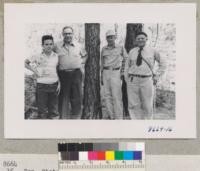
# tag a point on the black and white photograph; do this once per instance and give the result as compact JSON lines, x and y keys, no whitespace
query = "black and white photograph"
{"x":107,"y":71}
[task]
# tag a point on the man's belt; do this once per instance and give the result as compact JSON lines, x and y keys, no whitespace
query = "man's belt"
{"x":111,"y":68}
{"x":70,"y":70}
{"x":139,"y":76}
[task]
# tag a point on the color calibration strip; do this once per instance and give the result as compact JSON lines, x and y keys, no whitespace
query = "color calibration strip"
{"x":100,"y":155}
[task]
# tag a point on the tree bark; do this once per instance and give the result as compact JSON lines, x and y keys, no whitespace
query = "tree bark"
{"x":92,"y":99}
{"x":131,"y":31}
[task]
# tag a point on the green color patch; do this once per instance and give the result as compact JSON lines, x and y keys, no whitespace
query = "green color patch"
{"x":119,"y":155}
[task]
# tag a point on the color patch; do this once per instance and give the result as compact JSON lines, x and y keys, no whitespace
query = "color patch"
{"x":83,"y":155}
{"x":81,"y":147}
{"x":137,"y":155}
{"x":101,"y":155}
{"x":65,"y":155}
{"x":110,"y":155}
{"x":122,"y":146}
{"x":62,"y":147}
{"x":128,"y":155}
{"x":74,"y":155}
{"x":139,"y":147}
{"x":88,"y":146}
{"x":131,"y":146}
{"x":92,"y":155}
{"x":119,"y":155}
{"x":72,"y":146}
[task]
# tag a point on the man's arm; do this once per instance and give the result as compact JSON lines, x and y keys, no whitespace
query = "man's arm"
{"x":83,"y":53}
{"x":84,"y":57}
{"x":59,"y":84}
{"x":126,"y":68}
{"x":161,"y":69}
{"x":161,"y":64}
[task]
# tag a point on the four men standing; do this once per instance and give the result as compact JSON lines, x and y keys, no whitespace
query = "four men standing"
{"x":137,"y":68}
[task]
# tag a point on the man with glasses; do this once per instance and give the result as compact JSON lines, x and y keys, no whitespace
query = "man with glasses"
{"x":71,"y":59}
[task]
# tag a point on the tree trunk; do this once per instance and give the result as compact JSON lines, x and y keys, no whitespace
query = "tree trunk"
{"x":131,"y":31}
{"x":92,"y":99}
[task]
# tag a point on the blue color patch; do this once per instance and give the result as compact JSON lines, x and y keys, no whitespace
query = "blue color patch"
{"x":137,"y":155}
{"x":128,"y":155}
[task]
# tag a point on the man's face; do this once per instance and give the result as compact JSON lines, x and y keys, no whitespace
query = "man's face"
{"x":67,"y":35}
{"x":48,"y":46}
{"x":111,"y":40}
{"x":141,"y":40}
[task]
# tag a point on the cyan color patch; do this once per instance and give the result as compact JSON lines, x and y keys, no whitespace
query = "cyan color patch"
{"x":128,"y":155}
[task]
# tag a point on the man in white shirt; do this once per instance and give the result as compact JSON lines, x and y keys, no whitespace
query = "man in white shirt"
{"x":44,"y":67}
{"x":140,"y":77}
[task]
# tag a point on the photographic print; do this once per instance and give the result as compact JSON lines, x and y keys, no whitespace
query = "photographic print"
{"x":97,"y":76}
{"x":83,"y":79}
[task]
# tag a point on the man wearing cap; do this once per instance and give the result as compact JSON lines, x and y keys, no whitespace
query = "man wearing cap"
{"x":141,"y":77}
{"x":112,"y":69}
{"x":71,"y":60}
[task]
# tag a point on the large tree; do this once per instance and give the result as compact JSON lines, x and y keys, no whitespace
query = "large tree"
{"x":131,"y":31}
{"x":92,"y":99}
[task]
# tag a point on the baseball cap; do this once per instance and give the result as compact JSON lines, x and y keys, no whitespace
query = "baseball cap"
{"x":110,"y":33}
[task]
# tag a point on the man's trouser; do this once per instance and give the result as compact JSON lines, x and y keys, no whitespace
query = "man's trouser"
{"x":70,"y":96}
{"x":113,"y":93}
{"x":140,"y":97}
{"x":47,"y":101}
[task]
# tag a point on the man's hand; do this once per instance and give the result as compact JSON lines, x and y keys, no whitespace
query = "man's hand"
{"x":58,"y":88}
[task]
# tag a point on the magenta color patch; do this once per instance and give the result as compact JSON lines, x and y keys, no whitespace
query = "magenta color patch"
{"x":92,"y":155}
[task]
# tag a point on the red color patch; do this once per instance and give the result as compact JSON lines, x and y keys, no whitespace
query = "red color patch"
{"x":101,"y":155}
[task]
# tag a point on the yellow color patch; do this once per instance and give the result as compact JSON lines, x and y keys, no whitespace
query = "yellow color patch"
{"x":110,"y":155}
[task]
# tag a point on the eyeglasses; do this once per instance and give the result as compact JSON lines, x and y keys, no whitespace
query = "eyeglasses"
{"x":67,"y":33}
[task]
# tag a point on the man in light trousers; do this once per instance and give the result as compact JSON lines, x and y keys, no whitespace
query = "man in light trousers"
{"x":112,"y":70}
{"x":141,"y":77}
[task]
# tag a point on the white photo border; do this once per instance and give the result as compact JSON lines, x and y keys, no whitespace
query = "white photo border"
{"x":16,"y":16}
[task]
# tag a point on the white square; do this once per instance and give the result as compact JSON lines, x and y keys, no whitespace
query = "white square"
{"x":122,"y":146}
{"x":83,"y":155}
{"x":131,"y":146}
{"x":140,"y":146}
